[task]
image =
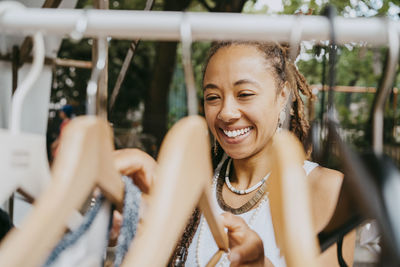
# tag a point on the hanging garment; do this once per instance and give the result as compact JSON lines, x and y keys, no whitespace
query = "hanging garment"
{"x":86,"y":245}
{"x":259,"y":219}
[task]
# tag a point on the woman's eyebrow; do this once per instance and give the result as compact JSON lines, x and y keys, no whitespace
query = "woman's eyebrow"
{"x":244,"y":81}
{"x":210,"y":86}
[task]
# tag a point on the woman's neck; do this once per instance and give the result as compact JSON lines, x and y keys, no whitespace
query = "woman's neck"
{"x":251,"y":170}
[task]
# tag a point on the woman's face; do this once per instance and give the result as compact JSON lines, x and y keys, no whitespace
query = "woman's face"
{"x":240,"y":100}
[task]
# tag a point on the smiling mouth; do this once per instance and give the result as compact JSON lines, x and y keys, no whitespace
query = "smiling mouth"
{"x":236,"y":133}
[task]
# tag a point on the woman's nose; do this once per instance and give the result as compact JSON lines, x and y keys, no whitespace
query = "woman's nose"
{"x":229,"y":112}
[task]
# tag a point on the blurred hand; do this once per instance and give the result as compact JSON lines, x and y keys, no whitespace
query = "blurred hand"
{"x":138,"y":165}
{"x":246,"y":247}
{"x":141,"y":167}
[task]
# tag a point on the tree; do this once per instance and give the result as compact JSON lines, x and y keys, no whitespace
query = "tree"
{"x":156,"y":112}
{"x":151,"y":75}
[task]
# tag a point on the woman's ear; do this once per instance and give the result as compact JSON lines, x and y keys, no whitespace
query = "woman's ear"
{"x":283,"y":96}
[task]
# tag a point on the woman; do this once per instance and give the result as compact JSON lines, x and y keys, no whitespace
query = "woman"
{"x":247,"y":86}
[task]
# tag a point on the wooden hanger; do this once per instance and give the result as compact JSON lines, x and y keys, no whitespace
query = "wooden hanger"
{"x":84,"y":161}
{"x":183,"y":181}
{"x":290,"y":202}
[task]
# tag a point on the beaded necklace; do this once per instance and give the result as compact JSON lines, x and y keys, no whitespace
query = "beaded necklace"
{"x":245,"y":191}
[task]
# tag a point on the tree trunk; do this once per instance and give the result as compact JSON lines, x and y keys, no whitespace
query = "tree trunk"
{"x":155,"y":117}
{"x":156,"y":111}
{"x":229,"y":6}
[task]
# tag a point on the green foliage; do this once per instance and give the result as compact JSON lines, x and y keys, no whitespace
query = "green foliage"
{"x":358,"y":65}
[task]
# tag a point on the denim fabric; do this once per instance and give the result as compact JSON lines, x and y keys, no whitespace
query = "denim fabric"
{"x":130,"y":215}
{"x":130,"y":220}
{"x":71,"y":238}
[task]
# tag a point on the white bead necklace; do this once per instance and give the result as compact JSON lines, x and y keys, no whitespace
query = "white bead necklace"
{"x":246,"y":191}
{"x":224,"y":259}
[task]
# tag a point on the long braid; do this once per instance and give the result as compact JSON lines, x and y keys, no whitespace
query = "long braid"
{"x":299,"y":123}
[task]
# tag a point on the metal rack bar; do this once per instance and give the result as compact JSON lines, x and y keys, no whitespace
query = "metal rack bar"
{"x":162,"y":25}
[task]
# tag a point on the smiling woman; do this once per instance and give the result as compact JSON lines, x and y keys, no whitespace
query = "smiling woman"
{"x":247,"y":87}
{"x":243,"y":96}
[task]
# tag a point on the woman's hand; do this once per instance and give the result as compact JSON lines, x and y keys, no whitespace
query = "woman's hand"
{"x":246,"y":247}
{"x":141,"y":167}
{"x":138,"y":165}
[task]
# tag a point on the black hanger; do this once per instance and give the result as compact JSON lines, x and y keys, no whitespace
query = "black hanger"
{"x":366,"y":191}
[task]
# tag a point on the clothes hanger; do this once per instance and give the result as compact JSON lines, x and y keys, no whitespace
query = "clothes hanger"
{"x":346,"y":215}
{"x":383,"y":169}
{"x":186,"y":41}
{"x":183,"y":181}
{"x":289,"y":194}
{"x":84,"y":161}
{"x":23,"y":157}
{"x":363,"y":194}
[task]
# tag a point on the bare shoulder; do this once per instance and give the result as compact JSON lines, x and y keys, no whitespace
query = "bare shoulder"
{"x":323,"y":175}
{"x":325,"y":188}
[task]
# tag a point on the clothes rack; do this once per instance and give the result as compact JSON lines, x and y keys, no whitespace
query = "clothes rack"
{"x":163,"y":25}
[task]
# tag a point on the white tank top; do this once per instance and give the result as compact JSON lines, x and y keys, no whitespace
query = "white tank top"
{"x":258,"y":219}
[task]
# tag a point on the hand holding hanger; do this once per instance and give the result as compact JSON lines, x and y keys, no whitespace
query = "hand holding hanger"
{"x":246,"y":246}
{"x":183,"y":181}
{"x":138,"y":165}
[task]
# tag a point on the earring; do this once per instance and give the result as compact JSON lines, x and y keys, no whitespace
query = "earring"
{"x":281,"y":119}
{"x":215,"y":147}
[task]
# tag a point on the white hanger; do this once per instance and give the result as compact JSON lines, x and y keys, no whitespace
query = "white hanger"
{"x":84,"y":161}
{"x":385,"y":88}
{"x":23,"y":157}
{"x":92,"y":88}
{"x":186,"y":37}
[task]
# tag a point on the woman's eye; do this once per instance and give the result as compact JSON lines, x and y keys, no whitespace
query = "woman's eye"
{"x":245,"y":94}
{"x":211,"y":98}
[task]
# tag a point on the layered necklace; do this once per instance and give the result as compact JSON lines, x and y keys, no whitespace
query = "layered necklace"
{"x":218,"y":184}
{"x":260,"y":187}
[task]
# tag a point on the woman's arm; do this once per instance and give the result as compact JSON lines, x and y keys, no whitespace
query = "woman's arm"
{"x":325,"y":188}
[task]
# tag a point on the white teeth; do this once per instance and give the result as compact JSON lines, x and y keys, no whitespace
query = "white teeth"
{"x":236,"y":132}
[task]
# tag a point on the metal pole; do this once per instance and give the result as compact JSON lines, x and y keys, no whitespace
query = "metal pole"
{"x":102,"y":91}
{"x":163,"y":25}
